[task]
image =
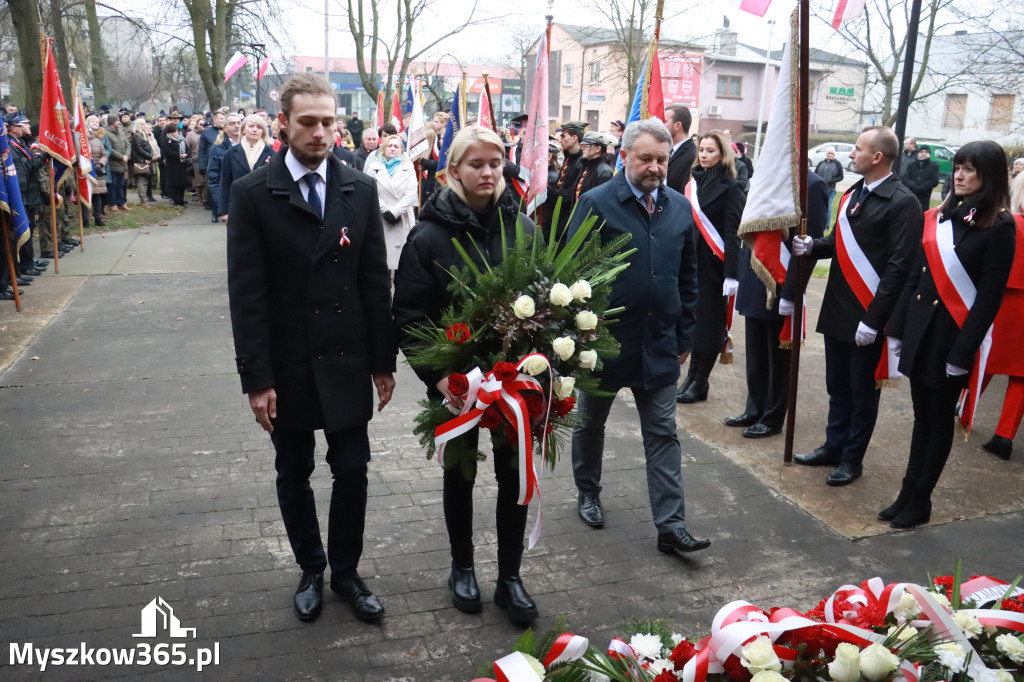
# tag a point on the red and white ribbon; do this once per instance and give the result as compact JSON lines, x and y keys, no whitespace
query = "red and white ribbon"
{"x":567,"y":647}
{"x":515,"y":668}
{"x":707,"y":229}
{"x":344,"y":241}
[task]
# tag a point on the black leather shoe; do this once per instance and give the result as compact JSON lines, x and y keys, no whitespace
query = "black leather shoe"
{"x":820,"y":457}
{"x":8,"y":294}
{"x":999,"y":446}
{"x":47,"y":254}
{"x":214,"y":219}
{"x":40,"y":264}
{"x":309,"y":597}
{"x":694,"y":393}
{"x":744,"y":419}
{"x":464,"y":590}
{"x":761,"y":431}
{"x":24,"y":281}
{"x":70,"y":241}
{"x":844,"y":474}
{"x":512,"y":596}
{"x":31,"y":272}
{"x":680,"y":540}
{"x":589,"y":508}
{"x":364,"y":603}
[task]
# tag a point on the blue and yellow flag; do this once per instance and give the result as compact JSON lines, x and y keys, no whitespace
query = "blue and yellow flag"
{"x":450,"y":130}
{"x":10,"y":194}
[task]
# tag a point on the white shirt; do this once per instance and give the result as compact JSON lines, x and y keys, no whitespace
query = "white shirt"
{"x":874,"y":185}
{"x":299,"y":171}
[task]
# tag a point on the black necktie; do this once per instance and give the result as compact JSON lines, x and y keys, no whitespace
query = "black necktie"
{"x":313,"y":198}
{"x":864,"y":191}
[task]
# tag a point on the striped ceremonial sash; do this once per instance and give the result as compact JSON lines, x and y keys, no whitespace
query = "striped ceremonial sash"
{"x":707,"y":229}
{"x":786,"y":336}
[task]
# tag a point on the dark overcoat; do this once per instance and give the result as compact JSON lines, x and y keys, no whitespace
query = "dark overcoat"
{"x":887,"y":226}
{"x":722,"y":202}
{"x":234,"y":166}
{"x":175,"y":166}
{"x":680,"y":164}
{"x":930,"y":335}
{"x":658,"y":289}
{"x":310,"y":318}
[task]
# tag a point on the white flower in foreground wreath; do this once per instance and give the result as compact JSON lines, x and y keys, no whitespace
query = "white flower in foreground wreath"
{"x":941,"y":600}
{"x":588,"y":360}
{"x":524,"y":307}
{"x":564,"y":387}
{"x":581,"y":290}
{"x":586,"y":320}
{"x":535,"y":365}
{"x":660,"y":665}
{"x":952,"y":656}
{"x":1012,"y":647}
{"x":760,"y":655}
{"x":908,"y":607}
{"x":564,"y":346}
{"x":646,"y":646}
{"x":876,"y":662}
{"x":598,"y":677}
{"x":676,"y":637}
{"x":536,"y":666}
{"x":768,"y":676}
{"x":846,"y":666}
{"x":970,"y":624}
{"x":905,"y":634}
{"x":560,"y":295}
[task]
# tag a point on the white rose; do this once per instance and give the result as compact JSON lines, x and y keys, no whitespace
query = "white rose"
{"x":588,"y":359}
{"x":767,"y":676}
{"x":970,"y":624}
{"x":581,"y":290}
{"x":524,"y":307}
{"x":905,"y":634}
{"x":564,"y":347}
{"x":876,"y":662}
{"x":1012,"y":647}
{"x":535,"y":365}
{"x":760,"y":655}
{"x":586,"y":320}
{"x":564,"y":387}
{"x":908,"y":607}
{"x":646,"y":646}
{"x":846,"y":666}
{"x":952,"y":656}
{"x":560,"y":295}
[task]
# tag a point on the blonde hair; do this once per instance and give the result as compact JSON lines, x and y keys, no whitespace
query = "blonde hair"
{"x":1017,"y":194}
{"x":724,"y":149}
{"x":262,"y":123}
{"x":137,"y":127}
{"x":465,"y":139}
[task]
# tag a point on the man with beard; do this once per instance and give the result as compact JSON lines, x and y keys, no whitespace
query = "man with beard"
{"x":595,"y":171}
{"x":310,"y":300}
{"x":659,"y":295}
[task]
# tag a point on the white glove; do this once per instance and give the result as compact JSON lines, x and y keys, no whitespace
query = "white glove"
{"x":729,"y":287}
{"x":786,"y":307}
{"x":865,"y":335}
{"x":954,"y":371}
{"x":802,"y":245}
{"x":895,"y":346}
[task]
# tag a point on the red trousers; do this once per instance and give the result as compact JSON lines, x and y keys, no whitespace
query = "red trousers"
{"x":1013,"y":407}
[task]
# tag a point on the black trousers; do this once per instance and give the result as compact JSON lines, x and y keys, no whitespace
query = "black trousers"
{"x":176,"y":193}
{"x":509,"y":517}
{"x":767,"y":371}
{"x":852,"y":396}
{"x":348,"y":453}
{"x":934,"y":426}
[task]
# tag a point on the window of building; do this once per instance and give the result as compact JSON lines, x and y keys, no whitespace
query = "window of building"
{"x":309,"y":69}
{"x":567,"y":78}
{"x":730,"y":86}
{"x":566,"y":112}
{"x":1000,"y":116}
{"x":595,"y":72}
{"x":592,"y":118}
{"x":956,"y":109}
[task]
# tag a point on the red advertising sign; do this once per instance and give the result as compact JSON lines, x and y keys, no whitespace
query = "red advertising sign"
{"x":680,"y":78}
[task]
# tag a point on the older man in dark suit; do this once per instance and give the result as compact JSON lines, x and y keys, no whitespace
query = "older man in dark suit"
{"x":310,"y":302}
{"x":659,"y":294}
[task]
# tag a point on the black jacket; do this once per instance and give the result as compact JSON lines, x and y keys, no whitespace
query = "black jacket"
{"x":921,"y":177}
{"x":310,"y":317}
{"x":233,"y":167}
{"x":680,"y":164}
{"x":565,"y":188}
{"x":205,"y":142}
{"x":359,"y":158}
{"x":28,"y":164}
{"x":141,"y":151}
{"x":421,"y":281}
{"x":831,"y":172}
{"x":930,"y":335}
{"x":887,"y":226}
{"x":355,"y":126}
{"x":175,"y":166}
{"x":344,"y":155}
{"x":595,"y":173}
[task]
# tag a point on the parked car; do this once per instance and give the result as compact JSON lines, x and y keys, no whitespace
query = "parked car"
{"x":942,"y":155}
{"x":816,"y":155}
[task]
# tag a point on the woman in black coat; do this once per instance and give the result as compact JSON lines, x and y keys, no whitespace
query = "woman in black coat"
{"x":471,"y":208}
{"x":721,"y":199}
{"x":175,"y":156}
{"x":937,"y":350}
{"x":254,"y":149}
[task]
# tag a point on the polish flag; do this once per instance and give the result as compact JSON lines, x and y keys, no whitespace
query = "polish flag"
{"x":264,"y":65}
{"x":237,"y":61}
{"x":758,"y":7}
{"x":847,"y":10}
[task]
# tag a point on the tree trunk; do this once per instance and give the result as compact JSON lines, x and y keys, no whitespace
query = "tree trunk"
{"x":96,"y":56}
{"x":60,"y":51}
{"x":25,"y":17}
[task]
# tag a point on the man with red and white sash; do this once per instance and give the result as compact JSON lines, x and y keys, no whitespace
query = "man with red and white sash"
{"x":872,"y":247}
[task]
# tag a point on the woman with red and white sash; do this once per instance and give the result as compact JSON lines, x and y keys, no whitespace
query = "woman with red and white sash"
{"x":717,"y":199}
{"x":944,"y":315}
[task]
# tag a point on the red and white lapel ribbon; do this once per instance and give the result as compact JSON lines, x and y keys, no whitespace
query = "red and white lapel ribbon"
{"x":344,"y":241}
{"x":707,"y":229}
{"x":958,"y":293}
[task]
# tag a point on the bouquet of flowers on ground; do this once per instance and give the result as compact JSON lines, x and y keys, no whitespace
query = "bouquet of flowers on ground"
{"x":873,"y":632}
{"x":518,"y":340}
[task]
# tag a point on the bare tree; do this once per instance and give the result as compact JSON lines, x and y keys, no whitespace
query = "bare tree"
{"x":97,"y":60}
{"x":25,"y":16}
{"x":520,"y":38}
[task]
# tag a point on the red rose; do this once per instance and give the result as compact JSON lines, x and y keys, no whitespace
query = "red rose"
{"x":683,"y":652}
{"x":491,"y":418}
{"x":534,"y":405}
{"x":564,"y":406}
{"x":666,"y":676}
{"x":506,"y":371}
{"x":735,"y":670}
{"x":458,"y":384}
{"x":459,"y":333}
{"x":549,"y":428}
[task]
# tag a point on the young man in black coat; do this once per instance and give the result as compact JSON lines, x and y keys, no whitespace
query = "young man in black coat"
{"x":885,"y":223}
{"x":310,"y":299}
{"x":921,"y":176}
{"x":595,"y":171}
{"x":684,"y":152}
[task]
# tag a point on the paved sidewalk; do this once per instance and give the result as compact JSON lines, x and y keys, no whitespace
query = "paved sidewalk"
{"x":131,"y":469}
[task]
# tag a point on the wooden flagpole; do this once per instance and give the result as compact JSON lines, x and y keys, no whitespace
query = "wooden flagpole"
{"x":53,"y":219}
{"x":490,"y":104}
{"x":801,"y":261}
{"x":6,"y":222}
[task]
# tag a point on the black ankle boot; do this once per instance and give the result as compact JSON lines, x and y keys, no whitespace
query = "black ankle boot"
{"x":464,"y":589}
{"x":999,"y":446}
{"x":890,"y":512}
{"x":512,"y":596}
{"x":916,"y":510}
